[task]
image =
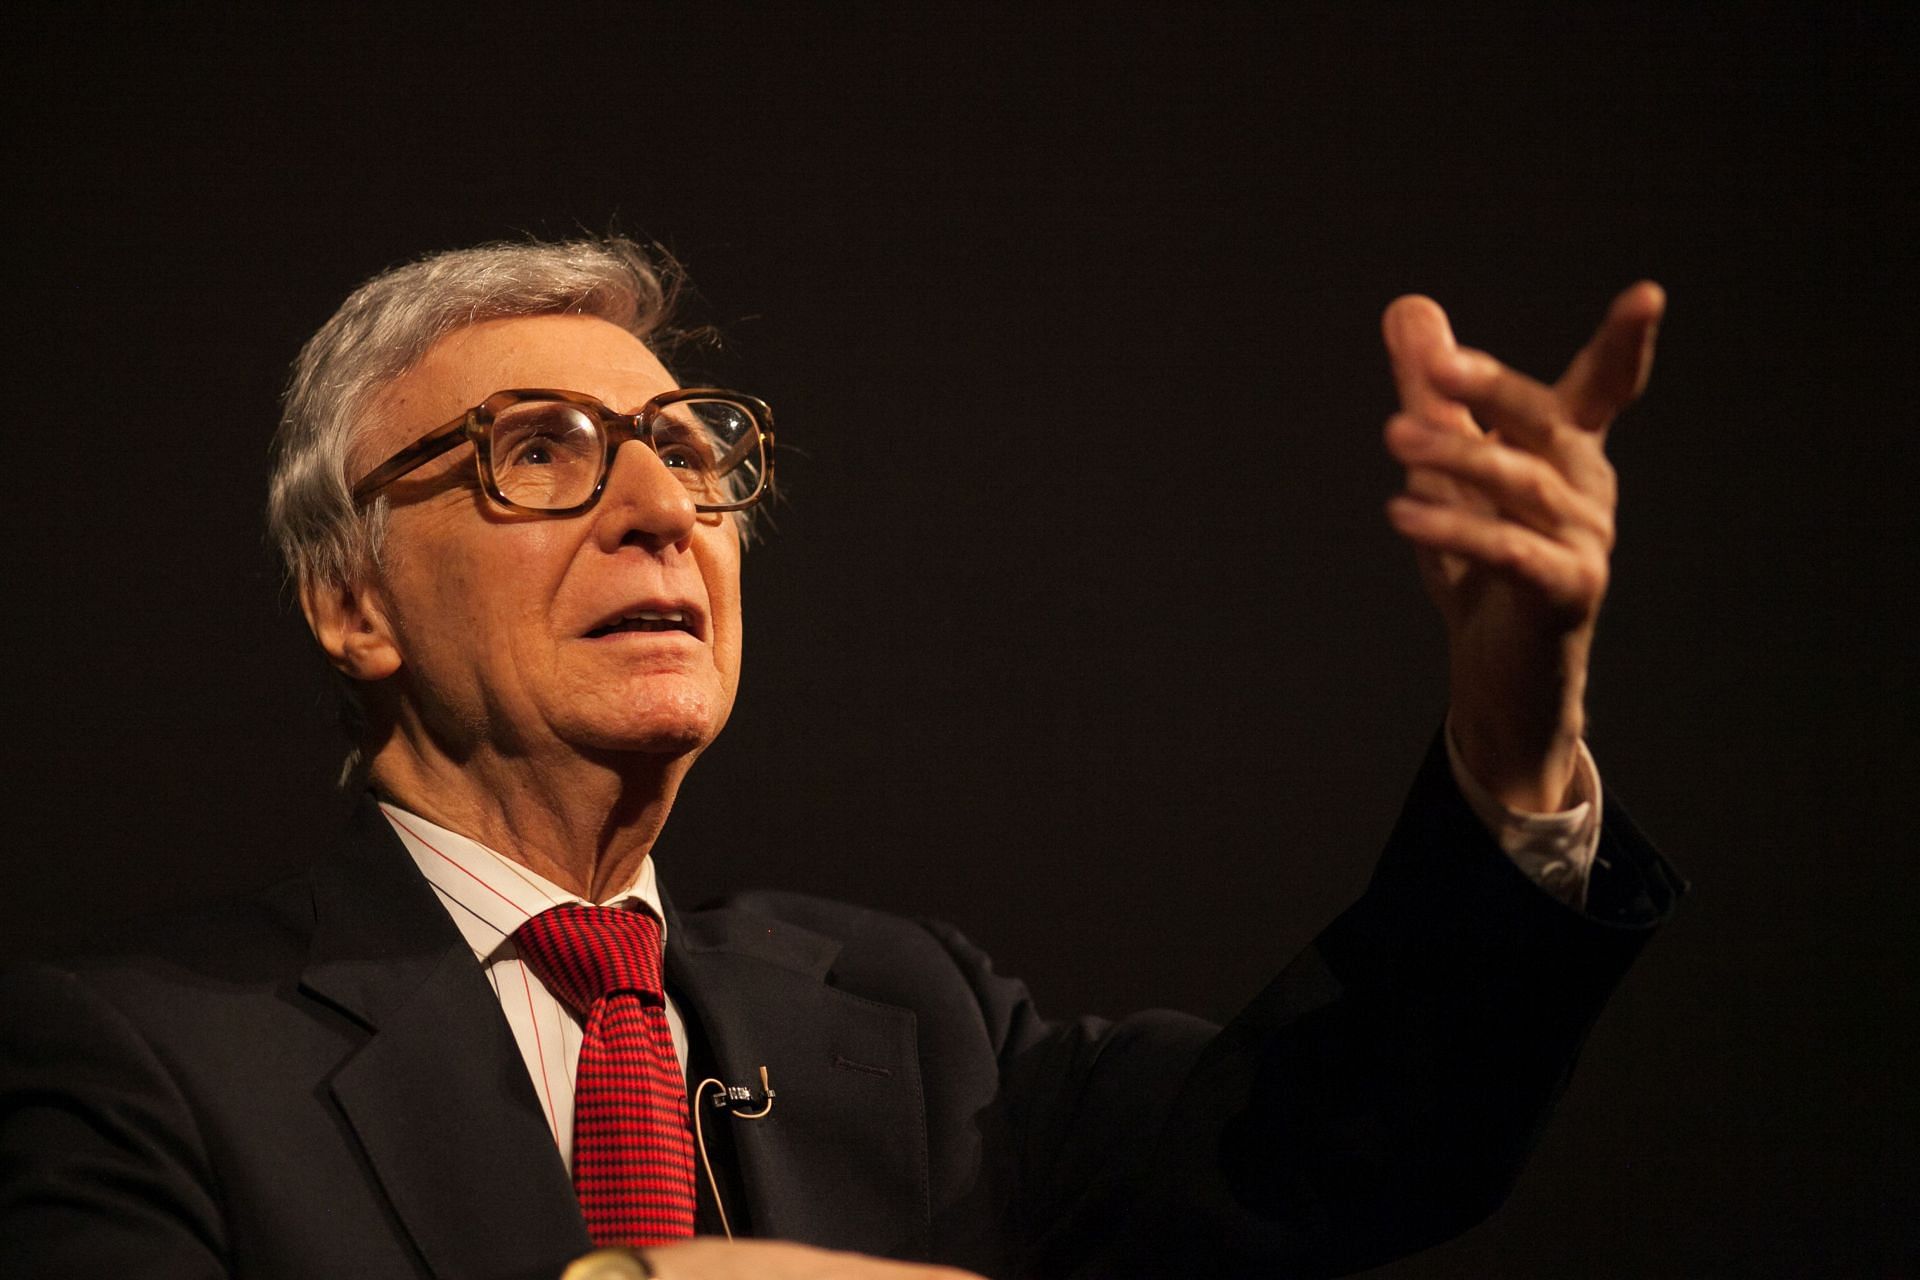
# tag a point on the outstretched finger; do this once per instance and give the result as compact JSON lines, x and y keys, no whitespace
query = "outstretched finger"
{"x":1611,"y":371}
{"x":1418,"y":339}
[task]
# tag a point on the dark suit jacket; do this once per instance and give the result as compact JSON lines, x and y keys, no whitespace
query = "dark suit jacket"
{"x":320,"y":1083}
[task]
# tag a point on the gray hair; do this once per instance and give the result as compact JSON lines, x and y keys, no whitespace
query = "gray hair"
{"x":381,"y":331}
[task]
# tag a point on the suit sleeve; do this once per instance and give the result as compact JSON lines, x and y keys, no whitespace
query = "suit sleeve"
{"x":101,"y":1172}
{"x":1379,"y":1096}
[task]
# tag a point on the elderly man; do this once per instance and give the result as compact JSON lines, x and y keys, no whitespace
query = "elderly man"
{"x":478,"y":1040}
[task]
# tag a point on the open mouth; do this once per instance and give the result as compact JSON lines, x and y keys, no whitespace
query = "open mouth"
{"x":647,"y":620}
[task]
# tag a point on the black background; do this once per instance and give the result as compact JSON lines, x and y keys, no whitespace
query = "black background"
{"x":1081,"y":626}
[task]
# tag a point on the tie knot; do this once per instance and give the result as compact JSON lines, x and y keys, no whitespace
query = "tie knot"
{"x":585,"y":953}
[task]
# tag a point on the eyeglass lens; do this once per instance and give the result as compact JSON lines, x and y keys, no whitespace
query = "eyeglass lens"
{"x":548,"y":454}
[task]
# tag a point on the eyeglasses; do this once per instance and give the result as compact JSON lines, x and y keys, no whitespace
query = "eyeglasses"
{"x":548,"y":452}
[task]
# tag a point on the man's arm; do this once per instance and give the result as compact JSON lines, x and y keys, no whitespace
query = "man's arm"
{"x":1383,"y":1093}
{"x":101,"y":1168}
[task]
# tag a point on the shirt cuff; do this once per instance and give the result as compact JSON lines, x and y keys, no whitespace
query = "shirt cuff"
{"x":1555,"y":850}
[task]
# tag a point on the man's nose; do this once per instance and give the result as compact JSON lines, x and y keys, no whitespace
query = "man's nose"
{"x":644,"y":501}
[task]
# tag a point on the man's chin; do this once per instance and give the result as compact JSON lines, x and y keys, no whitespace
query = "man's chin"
{"x":667,"y":718}
{"x":682,"y":731}
{"x":663,"y":742}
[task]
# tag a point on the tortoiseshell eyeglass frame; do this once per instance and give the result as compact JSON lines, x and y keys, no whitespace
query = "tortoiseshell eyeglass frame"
{"x":476,"y":425}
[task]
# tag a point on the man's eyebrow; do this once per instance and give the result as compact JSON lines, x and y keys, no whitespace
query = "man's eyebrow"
{"x":685,"y":424}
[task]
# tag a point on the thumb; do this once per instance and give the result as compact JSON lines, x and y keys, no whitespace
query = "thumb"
{"x":1418,"y":337}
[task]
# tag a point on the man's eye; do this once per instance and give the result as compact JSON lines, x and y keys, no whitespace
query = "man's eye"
{"x":686,"y":456}
{"x":537,"y":452}
{"x":684,"y":446}
{"x":544,"y":435}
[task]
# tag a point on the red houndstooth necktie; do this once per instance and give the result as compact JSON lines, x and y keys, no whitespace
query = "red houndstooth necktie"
{"x":632,"y":1152}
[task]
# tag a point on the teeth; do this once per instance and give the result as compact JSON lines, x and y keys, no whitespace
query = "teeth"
{"x":648,"y":620}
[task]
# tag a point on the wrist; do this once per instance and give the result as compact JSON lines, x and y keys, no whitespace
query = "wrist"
{"x":1517,"y":718}
{"x":1526,"y":767}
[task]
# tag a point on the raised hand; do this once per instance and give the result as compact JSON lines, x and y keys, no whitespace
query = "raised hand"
{"x":1510,"y":505}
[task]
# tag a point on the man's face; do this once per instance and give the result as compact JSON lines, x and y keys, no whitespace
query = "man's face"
{"x":509,"y":629}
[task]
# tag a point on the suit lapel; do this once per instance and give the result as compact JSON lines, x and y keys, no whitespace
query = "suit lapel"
{"x":437,"y":1097}
{"x":842,"y":1158}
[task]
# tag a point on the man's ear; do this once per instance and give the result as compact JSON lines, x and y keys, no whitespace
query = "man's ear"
{"x":350,"y":624}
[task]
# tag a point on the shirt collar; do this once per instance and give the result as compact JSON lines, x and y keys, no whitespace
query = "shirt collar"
{"x":487,"y":893}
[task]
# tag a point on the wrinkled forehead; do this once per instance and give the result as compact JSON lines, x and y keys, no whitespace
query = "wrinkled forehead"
{"x":557,"y":352}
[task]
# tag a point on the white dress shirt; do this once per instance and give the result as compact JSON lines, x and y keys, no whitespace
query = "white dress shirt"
{"x":489,"y":896}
